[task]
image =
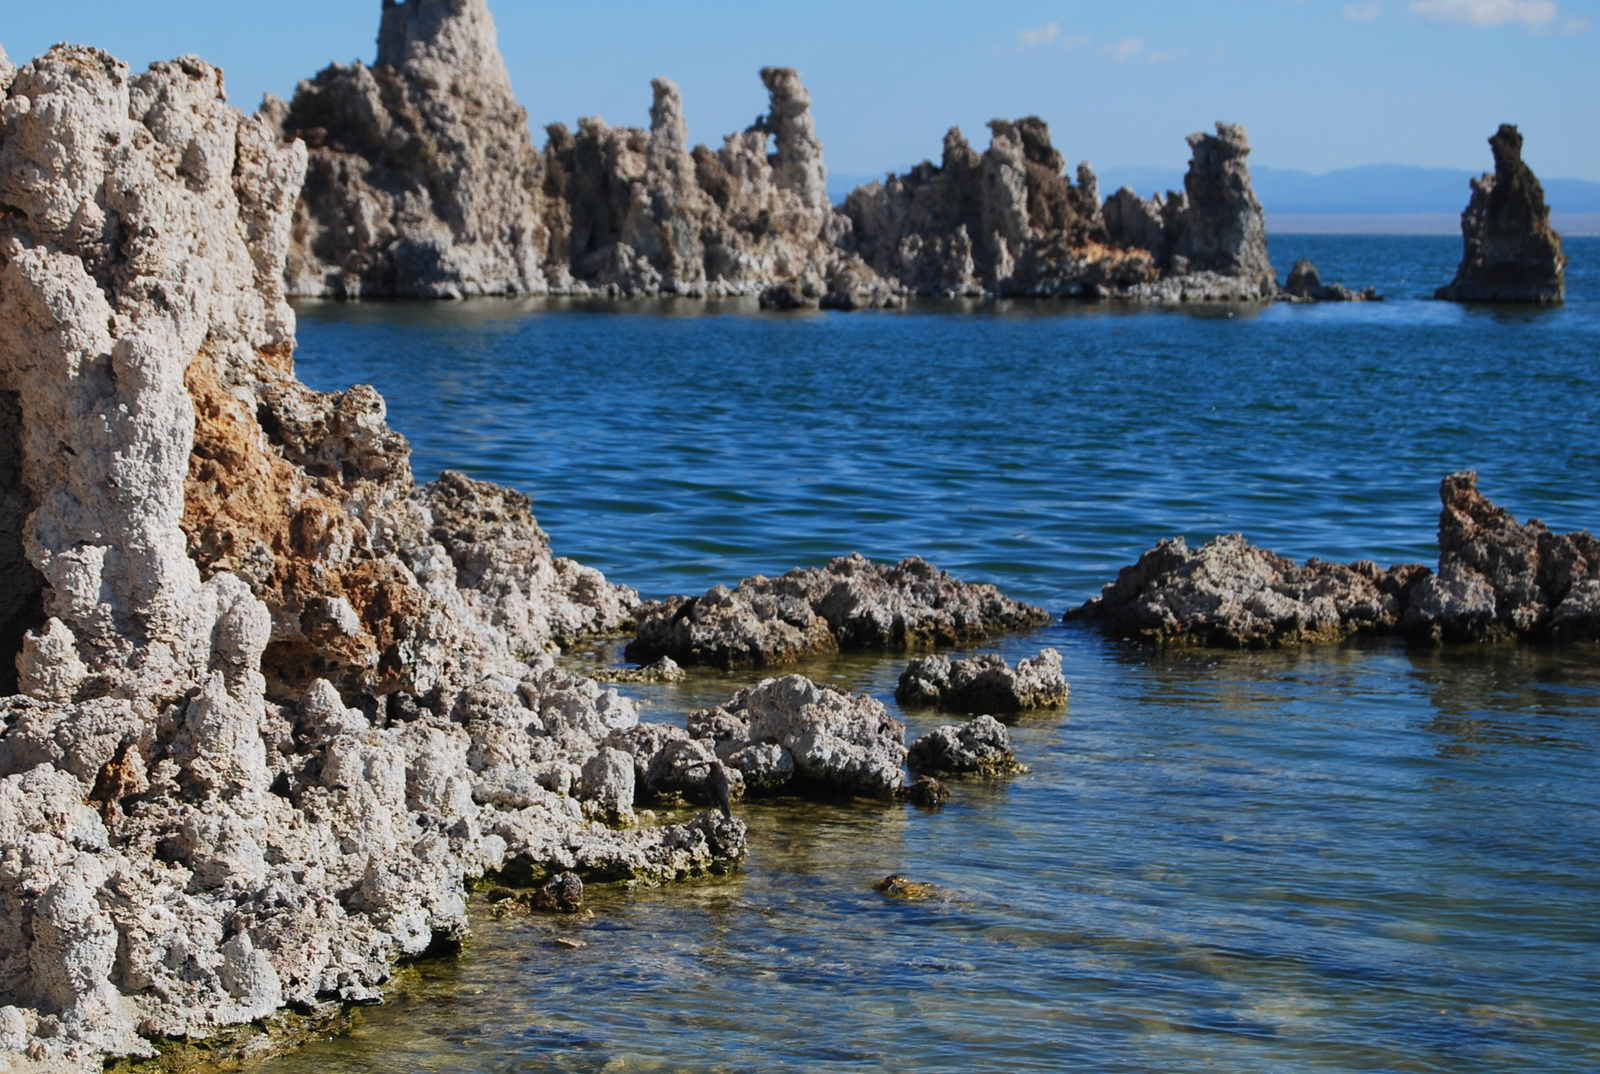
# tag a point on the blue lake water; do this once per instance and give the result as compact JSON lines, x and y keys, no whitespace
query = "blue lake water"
{"x":1356,"y":857}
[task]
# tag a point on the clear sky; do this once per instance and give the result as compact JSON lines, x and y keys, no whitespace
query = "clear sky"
{"x":1321,"y":84}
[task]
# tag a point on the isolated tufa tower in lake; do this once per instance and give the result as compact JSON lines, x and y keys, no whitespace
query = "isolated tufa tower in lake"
{"x":1512,"y":254}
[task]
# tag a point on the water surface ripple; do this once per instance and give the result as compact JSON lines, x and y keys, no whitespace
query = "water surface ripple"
{"x":1343,"y":858}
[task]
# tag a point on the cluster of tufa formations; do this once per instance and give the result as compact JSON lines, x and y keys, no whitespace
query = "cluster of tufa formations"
{"x":423,"y":182}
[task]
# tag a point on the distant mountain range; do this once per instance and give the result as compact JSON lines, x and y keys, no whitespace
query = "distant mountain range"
{"x":1371,"y":189}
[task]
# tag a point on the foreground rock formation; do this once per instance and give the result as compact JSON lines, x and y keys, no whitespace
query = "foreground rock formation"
{"x":1011,"y":222}
{"x":1497,"y":580}
{"x":984,"y":683}
{"x":852,"y":604}
{"x":273,"y":703}
{"x":1512,"y":254}
{"x":422,"y":181}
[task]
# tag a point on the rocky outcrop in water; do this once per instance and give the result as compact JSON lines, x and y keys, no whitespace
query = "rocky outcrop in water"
{"x":1305,"y":285}
{"x":979,"y":747}
{"x":1512,"y":254}
{"x":423,"y":180}
{"x":851,"y":605}
{"x":1497,"y":580}
{"x":984,"y":683}
{"x":1231,"y":593}
{"x":1008,"y":221}
{"x":1210,"y":240}
{"x":1011,"y":222}
{"x":639,"y":212}
{"x":273,"y":702}
{"x":792,"y":734}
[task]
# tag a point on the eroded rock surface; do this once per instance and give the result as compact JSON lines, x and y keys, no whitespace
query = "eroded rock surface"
{"x":1497,"y":580}
{"x":793,"y":734}
{"x":1009,"y":221}
{"x":984,"y":683}
{"x":638,"y":212}
{"x":852,"y":604}
{"x":1512,"y":254}
{"x":423,"y":179}
{"x":979,"y":747}
{"x":274,"y":703}
{"x":1232,"y":593}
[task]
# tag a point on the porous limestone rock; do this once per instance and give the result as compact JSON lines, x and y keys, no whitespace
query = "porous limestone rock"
{"x":1305,"y":285}
{"x":423,"y":180}
{"x":1512,"y":254}
{"x":1232,"y":593}
{"x":852,"y":604}
{"x":638,"y":212}
{"x":273,"y":704}
{"x":1499,"y":579}
{"x":984,"y":683}
{"x":979,"y":747}
{"x":665,"y":669}
{"x":793,"y":734}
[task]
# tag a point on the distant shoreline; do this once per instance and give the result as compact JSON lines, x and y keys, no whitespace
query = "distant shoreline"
{"x":1568,"y":224}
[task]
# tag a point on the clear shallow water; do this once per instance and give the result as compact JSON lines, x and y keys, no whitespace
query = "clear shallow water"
{"x":1341,"y":858}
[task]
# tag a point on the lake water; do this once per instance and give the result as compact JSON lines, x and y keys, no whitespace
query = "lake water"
{"x":1352,"y":857}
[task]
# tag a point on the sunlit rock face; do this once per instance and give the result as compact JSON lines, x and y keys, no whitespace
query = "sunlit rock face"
{"x":1512,"y":254}
{"x":271,"y":702}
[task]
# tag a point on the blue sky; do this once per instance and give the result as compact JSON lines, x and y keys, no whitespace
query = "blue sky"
{"x":1321,"y":84}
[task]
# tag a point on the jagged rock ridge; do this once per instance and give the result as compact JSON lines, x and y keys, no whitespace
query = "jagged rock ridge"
{"x":1512,"y":254}
{"x":273,"y":702}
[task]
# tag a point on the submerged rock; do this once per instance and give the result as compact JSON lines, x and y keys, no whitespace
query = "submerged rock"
{"x":980,"y":747}
{"x":1512,"y":254}
{"x":423,"y":180}
{"x":927,"y":792}
{"x":665,"y":669}
{"x":902,"y":887}
{"x":984,"y":683}
{"x":1305,"y":285}
{"x":273,"y":703}
{"x":852,"y":604}
{"x":1497,"y":580}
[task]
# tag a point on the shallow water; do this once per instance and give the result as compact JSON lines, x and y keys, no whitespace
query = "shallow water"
{"x":1341,"y":858}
